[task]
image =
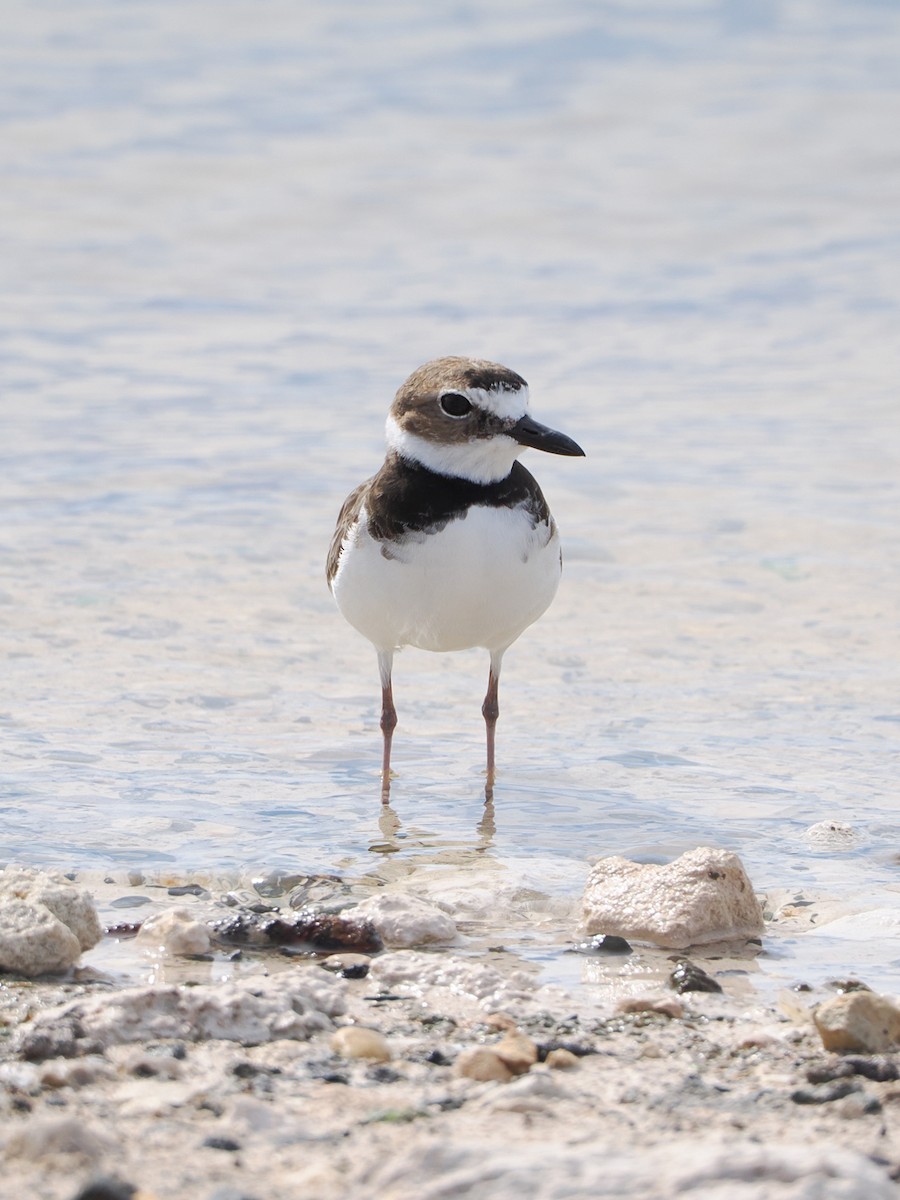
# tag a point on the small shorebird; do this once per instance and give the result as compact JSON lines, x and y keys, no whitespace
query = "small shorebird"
{"x":451,"y":544}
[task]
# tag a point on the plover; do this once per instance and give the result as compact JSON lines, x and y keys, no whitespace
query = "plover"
{"x":451,"y":544}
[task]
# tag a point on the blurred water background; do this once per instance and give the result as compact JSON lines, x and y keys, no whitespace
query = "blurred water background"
{"x":229,"y":229}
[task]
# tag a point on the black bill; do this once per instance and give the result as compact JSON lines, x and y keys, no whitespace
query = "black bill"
{"x":531,"y":433}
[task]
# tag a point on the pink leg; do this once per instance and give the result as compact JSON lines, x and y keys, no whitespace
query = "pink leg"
{"x":388,"y":721}
{"x":490,"y":710}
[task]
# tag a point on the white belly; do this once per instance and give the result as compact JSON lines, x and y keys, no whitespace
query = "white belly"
{"x":479,"y":581}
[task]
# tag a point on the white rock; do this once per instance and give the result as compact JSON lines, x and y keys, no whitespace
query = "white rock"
{"x":861,"y":1021}
{"x":404,"y":920}
{"x":831,"y":835}
{"x":73,"y":906}
{"x":703,"y":896}
{"x":43,"y":1138}
{"x":434,"y":1169}
{"x":33,"y":941}
{"x":408,"y":970}
{"x":290,"y":1005}
{"x":355,"y":1041}
{"x":174,"y":931}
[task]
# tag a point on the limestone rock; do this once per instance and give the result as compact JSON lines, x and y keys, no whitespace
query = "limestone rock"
{"x":562,"y":1059}
{"x":175,"y":931}
{"x":404,"y":920}
{"x":862,"y":1021}
{"x":45,"y":923}
{"x":517,"y":1051}
{"x":354,"y":1041}
{"x":33,"y":941}
{"x":45,"y":1138}
{"x":691,"y":1167}
{"x":250,"y":1011}
{"x":703,"y":896}
{"x":71,"y":905}
{"x":483,"y":1064}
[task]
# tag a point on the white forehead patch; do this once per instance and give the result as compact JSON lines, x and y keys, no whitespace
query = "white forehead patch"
{"x":506,"y":403}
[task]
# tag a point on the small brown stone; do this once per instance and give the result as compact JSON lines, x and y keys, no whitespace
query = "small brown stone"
{"x":665,"y":1007}
{"x":482,"y":1064}
{"x":563,"y":1060}
{"x":499,"y":1020}
{"x":861,"y":1021}
{"x":518,"y":1052}
{"x":355,"y":1041}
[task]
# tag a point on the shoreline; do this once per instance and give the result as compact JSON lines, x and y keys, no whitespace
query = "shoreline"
{"x":653,"y":1093}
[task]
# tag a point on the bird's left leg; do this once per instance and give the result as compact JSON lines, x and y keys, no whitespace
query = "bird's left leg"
{"x":388,"y":719}
{"x":490,"y":710}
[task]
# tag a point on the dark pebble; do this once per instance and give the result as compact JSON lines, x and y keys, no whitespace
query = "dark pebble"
{"x":130,"y":902}
{"x":306,"y":932}
{"x":603,"y":943}
{"x":848,"y":985}
{"x":247,"y":1070}
{"x":188,"y":889}
{"x":125,"y":929}
{"x":688,"y":977}
{"x":579,"y":1049}
{"x":824,"y":1093}
{"x":383,"y":1075}
{"x":217,"y":1141}
{"x":105,"y":1187}
{"x":877,"y":1068}
{"x":354,"y":971}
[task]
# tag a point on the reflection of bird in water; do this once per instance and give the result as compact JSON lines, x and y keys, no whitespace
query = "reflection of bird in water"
{"x":451,"y":544}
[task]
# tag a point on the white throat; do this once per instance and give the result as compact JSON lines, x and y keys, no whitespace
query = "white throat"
{"x":483,"y":460}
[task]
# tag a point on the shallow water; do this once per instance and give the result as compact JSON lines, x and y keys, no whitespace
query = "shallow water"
{"x":230,"y":231}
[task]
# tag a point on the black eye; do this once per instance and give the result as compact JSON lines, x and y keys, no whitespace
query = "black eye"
{"x":455,"y":405}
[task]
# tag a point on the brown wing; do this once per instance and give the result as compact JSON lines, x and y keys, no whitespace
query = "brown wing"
{"x":346,"y":518}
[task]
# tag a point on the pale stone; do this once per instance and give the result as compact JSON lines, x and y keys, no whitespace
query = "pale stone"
{"x":690,"y":1166}
{"x":403,"y":920}
{"x":703,"y":896}
{"x":175,"y":931}
{"x":831,"y":835}
{"x":535,"y":1092}
{"x":563,"y":1060}
{"x":48,"y":1138}
{"x":665,"y":1005}
{"x":33,"y":941}
{"x":292,"y":1005}
{"x":482,"y":1064}
{"x":70,"y":905}
{"x":355,"y":1041}
{"x":861,"y":1021}
{"x":518,"y":1052}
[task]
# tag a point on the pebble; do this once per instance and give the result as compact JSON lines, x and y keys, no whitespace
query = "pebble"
{"x":562,"y":1060}
{"x":665,"y":1006}
{"x":355,"y":1041}
{"x":44,"y":1138}
{"x":688,"y":977}
{"x":306,"y":930}
{"x":404,"y":920}
{"x":482,"y":1064}
{"x":175,"y":931}
{"x":105,"y":1187}
{"x":862,"y":1021}
{"x":347,"y":966}
{"x":517,"y":1051}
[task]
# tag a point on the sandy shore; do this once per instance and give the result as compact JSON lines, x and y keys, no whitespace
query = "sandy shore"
{"x":199,"y":1085}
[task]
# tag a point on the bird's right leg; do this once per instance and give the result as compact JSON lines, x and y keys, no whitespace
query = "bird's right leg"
{"x":388,"y":719}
